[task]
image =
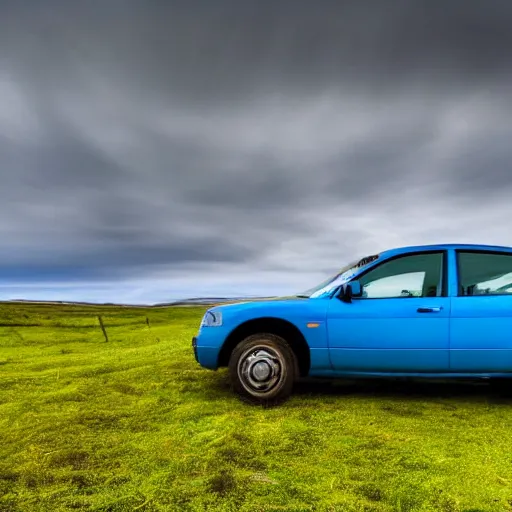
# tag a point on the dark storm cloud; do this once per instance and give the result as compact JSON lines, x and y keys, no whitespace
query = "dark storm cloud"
{"x":210,"y":50}
{"x":262,"y":135}
{"x":105,"y":262}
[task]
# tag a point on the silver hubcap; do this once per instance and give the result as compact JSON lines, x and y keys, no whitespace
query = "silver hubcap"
{"x":260,"y":369}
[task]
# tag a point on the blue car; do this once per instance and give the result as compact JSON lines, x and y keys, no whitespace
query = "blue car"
{"x":428,"y":311}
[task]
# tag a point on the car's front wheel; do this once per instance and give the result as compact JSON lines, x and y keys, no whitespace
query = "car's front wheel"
{"x":263,"y":369}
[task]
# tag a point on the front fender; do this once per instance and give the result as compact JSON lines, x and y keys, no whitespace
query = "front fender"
{"x":305,"y":319}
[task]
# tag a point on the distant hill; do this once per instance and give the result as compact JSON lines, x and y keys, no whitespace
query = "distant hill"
{"x":196,"y":301}
{"x":208,"y":300}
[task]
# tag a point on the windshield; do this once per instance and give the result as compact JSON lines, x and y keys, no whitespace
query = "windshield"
{"x":328,"y":286}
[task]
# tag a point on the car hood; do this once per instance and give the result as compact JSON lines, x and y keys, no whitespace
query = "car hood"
{"x":267,"y":305}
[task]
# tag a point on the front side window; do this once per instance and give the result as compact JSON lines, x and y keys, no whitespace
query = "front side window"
{"x":418,"y":275}
{"x":482,"y":273}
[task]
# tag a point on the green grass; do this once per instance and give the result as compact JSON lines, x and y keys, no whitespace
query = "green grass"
{"x":136,"y":424}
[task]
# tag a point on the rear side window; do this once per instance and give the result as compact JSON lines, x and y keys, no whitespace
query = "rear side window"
{"x":483,"y":273}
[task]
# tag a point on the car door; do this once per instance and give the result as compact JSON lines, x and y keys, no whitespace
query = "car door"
{"x":481,"y":323}
{"x":401,"y":324}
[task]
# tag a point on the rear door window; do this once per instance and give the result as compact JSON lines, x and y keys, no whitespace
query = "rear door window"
{"x":484,"y":273}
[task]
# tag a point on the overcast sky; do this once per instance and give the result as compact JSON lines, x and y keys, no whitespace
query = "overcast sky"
{"x":153,"y":150}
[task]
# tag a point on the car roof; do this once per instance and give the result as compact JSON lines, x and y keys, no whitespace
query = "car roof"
{"x":441,"y":247}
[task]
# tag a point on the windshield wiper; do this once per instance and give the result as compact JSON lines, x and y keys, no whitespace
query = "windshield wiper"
{"x":302,"y":296}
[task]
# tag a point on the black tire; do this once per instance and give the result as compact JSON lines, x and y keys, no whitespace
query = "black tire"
{"x":263,"y":369}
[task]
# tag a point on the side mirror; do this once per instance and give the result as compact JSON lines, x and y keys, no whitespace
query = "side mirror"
{"x":349,"y":290}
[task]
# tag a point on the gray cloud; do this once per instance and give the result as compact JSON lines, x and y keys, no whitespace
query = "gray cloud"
{"x":210,"y":147}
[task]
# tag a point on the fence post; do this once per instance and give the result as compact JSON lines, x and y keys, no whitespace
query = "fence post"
{"x":103,"y":328}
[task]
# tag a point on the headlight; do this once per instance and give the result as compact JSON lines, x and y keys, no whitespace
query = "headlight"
{"x":212,"y":319}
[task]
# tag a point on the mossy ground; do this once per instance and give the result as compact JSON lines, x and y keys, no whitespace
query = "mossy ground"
{"x":136,"y":424}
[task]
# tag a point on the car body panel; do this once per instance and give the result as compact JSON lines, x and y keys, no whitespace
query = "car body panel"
{"x":468,"y":336}
{"x":480,"y":326}
{"x":481,"y":334}
{"x":390,"y":335}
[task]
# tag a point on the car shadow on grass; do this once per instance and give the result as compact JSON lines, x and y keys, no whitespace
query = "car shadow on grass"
{"x":447,"y":392}
{"x":497,"y":391}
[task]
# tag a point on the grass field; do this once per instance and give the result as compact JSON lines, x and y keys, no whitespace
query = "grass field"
{"x":136,"y":424}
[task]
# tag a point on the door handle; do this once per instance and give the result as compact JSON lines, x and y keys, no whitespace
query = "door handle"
{"x":430,"y":309}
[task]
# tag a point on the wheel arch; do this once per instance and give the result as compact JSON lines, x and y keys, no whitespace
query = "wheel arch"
{"x":272,"y":325}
